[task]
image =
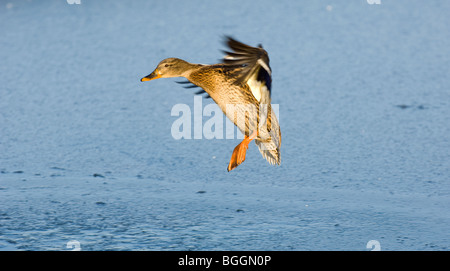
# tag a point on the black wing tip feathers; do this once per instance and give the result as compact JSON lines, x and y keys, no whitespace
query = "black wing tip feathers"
{"x":188,"y":84}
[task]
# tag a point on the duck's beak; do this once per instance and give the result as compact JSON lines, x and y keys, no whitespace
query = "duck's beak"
{"x":154,"y":75}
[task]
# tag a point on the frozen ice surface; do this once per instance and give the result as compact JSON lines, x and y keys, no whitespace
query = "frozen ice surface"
{"x":86,"y":151}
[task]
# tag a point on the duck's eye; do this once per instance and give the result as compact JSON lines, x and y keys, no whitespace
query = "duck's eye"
{"x":167,"y":65}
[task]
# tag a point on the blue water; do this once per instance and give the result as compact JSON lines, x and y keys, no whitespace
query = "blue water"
{"x":86,"y":151}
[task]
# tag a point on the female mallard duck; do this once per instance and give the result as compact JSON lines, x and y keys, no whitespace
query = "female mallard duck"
{"x":241,"y":87}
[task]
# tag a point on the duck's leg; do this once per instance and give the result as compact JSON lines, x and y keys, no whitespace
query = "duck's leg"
{"x":240,"y":150}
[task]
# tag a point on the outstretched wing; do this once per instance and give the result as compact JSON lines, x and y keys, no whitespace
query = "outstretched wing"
{"x":256,"y":73}
{"x":255,"y":70}
{"x":188,"y":84}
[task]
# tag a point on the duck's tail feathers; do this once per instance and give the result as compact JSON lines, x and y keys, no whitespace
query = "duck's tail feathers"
{"x":270,"y":150}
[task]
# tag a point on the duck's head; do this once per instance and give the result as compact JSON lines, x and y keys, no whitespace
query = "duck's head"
{"x":169,"y":67}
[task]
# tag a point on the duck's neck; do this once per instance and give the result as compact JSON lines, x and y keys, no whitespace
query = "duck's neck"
{"x":189,"y":68}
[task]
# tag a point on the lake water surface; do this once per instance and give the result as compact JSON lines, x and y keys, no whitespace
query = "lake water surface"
{"x":87,"y":154}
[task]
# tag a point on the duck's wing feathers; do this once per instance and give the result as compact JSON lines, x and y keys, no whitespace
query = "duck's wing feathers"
{"x":188,"y":84}
{"x":255,"y":69}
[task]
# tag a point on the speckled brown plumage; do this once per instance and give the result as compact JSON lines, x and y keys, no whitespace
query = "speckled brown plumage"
{"x":233,"y":84}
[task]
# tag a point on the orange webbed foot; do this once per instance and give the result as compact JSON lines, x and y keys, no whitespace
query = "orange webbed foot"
{"x":239,"y":152}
